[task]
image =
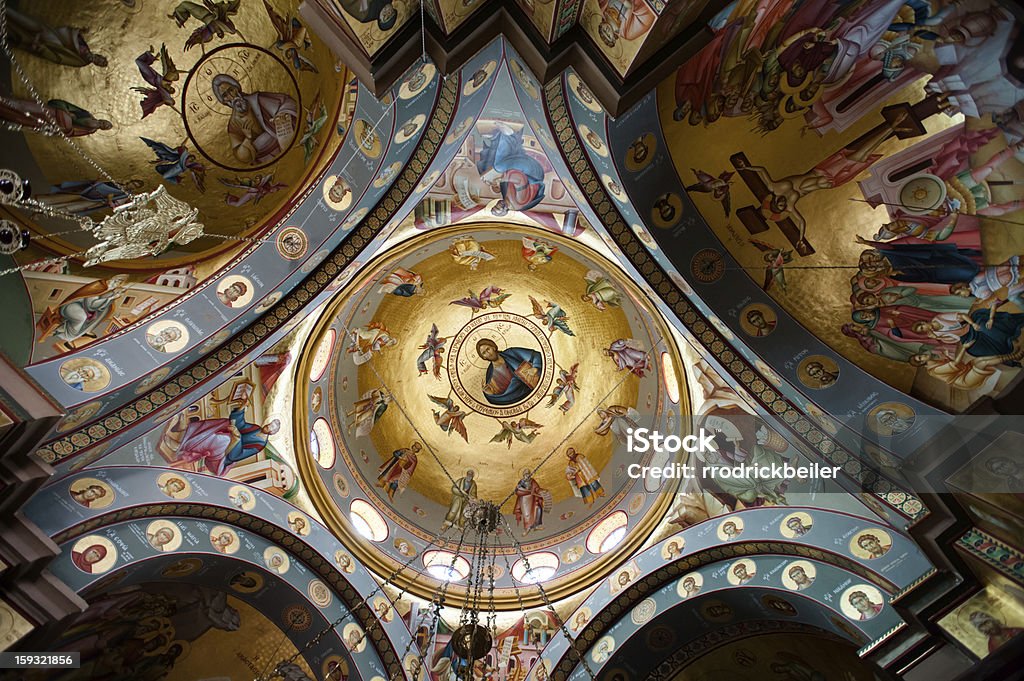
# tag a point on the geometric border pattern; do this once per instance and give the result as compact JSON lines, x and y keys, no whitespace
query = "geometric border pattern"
{"x":286,"y":540}
{"x":736,"y":365}
{"x":288,"y":307}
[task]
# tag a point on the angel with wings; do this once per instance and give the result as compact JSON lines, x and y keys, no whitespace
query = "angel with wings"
{"x":215,"y":17}
{"x":492,"y":296}
{"x":316,"y":117}
{"x":718,"y":187}
{"x":565,"y":388}
{"x":172,"y":163}
{"x":517,"y":429}
{"x":774,"y":261}
{"x":253,"y":189}
{"x":451,"y":419}
{"x":292,"y":38}
{"x":394,"y":475}
{"x":162,"y":82}
{"x":551,"y":316}
{"x":432,"y":349}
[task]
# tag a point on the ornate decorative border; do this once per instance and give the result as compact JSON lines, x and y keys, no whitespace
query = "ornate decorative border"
{"x":989,"y":550}
{"x":207,"y":367}
{"x":795,"y":421}
{"x":317,"y":564}
{"x":654,"y":581}
{"x":378,"y":562}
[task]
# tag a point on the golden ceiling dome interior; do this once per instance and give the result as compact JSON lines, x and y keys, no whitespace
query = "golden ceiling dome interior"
{"x":403,"y":380}
{"x":157,"y":109}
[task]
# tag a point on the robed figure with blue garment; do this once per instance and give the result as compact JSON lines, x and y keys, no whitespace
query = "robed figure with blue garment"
{"x":521,"y":181}
{"x":513,"y":373}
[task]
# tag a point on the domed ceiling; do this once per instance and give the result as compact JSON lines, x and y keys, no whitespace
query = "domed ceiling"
{"x":503,"y":364}
{"x":164,"y":106}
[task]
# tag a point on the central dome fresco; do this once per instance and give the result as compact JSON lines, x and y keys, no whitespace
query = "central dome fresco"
{"x":502,"y":364}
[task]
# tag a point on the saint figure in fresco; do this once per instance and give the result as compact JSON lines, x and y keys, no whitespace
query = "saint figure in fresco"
{"x":84,"y":312}
{"x":394,"y":475}
{"x":618,"y":420}
{"x":531,"y":502}
{"x":513,"y":373}
{"x":57,"y":44}
{"x":366,"y":411}
{"x":992,"y":628}
{"x":83,"y":197}
{"x":629,"y":353}
{"x":518,"y":176}
{"x":463,"y":490}
{"x":583,"y":477}
{"x":626,"y":19}
{"x":864,"y":606}
{"x":601,"y":293}
{"x":57,"y":114}
{"x":85,"y":560}
{"x":221,"y":443}
{"x":262,"y":125}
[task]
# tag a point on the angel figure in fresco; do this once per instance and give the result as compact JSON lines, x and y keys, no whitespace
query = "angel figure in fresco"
{"x":490,"y":297}
{"x":223,"y":442}
{"x":161,"y":90}
{"x":432,"y":348}
{"x":367,"y":410}
{"x":626,"y":19}
{"x":84,"y":311}
{"x":394,"y":475}
{"x":174,"y":163}
{"x":214,"y":15}
{"x":551,"y":316}
{"x":466,"y":250}
{"x":537,"y":252}
{"x":252,"y":189}
{"x":57,"y":115}
{"x":316,"y":118}
{"x":292,"y":39}
{"x":517,"y":429}
{"x":601,"y":292}
{"x":583,"y":477}
{"x":565,"y":388}
{"x":532,"y":501}
{"x":617,"y":420}
{"x":629,"y":353}
{"x":451,"y":419}
{"x":369,"y":339}
{"x":401,"y":282}
{"x":718,"y":187}
{"x":62,"y":45}
{"x":511,"y":171}
{"x":775,"y":260}
{"x":513,"y":372}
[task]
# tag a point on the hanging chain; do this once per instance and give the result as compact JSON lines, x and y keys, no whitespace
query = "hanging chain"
{"x":547,"y":602}
{"x":348,"y":613}
{"x":51,"y":127}
{"x":554,"y":450}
